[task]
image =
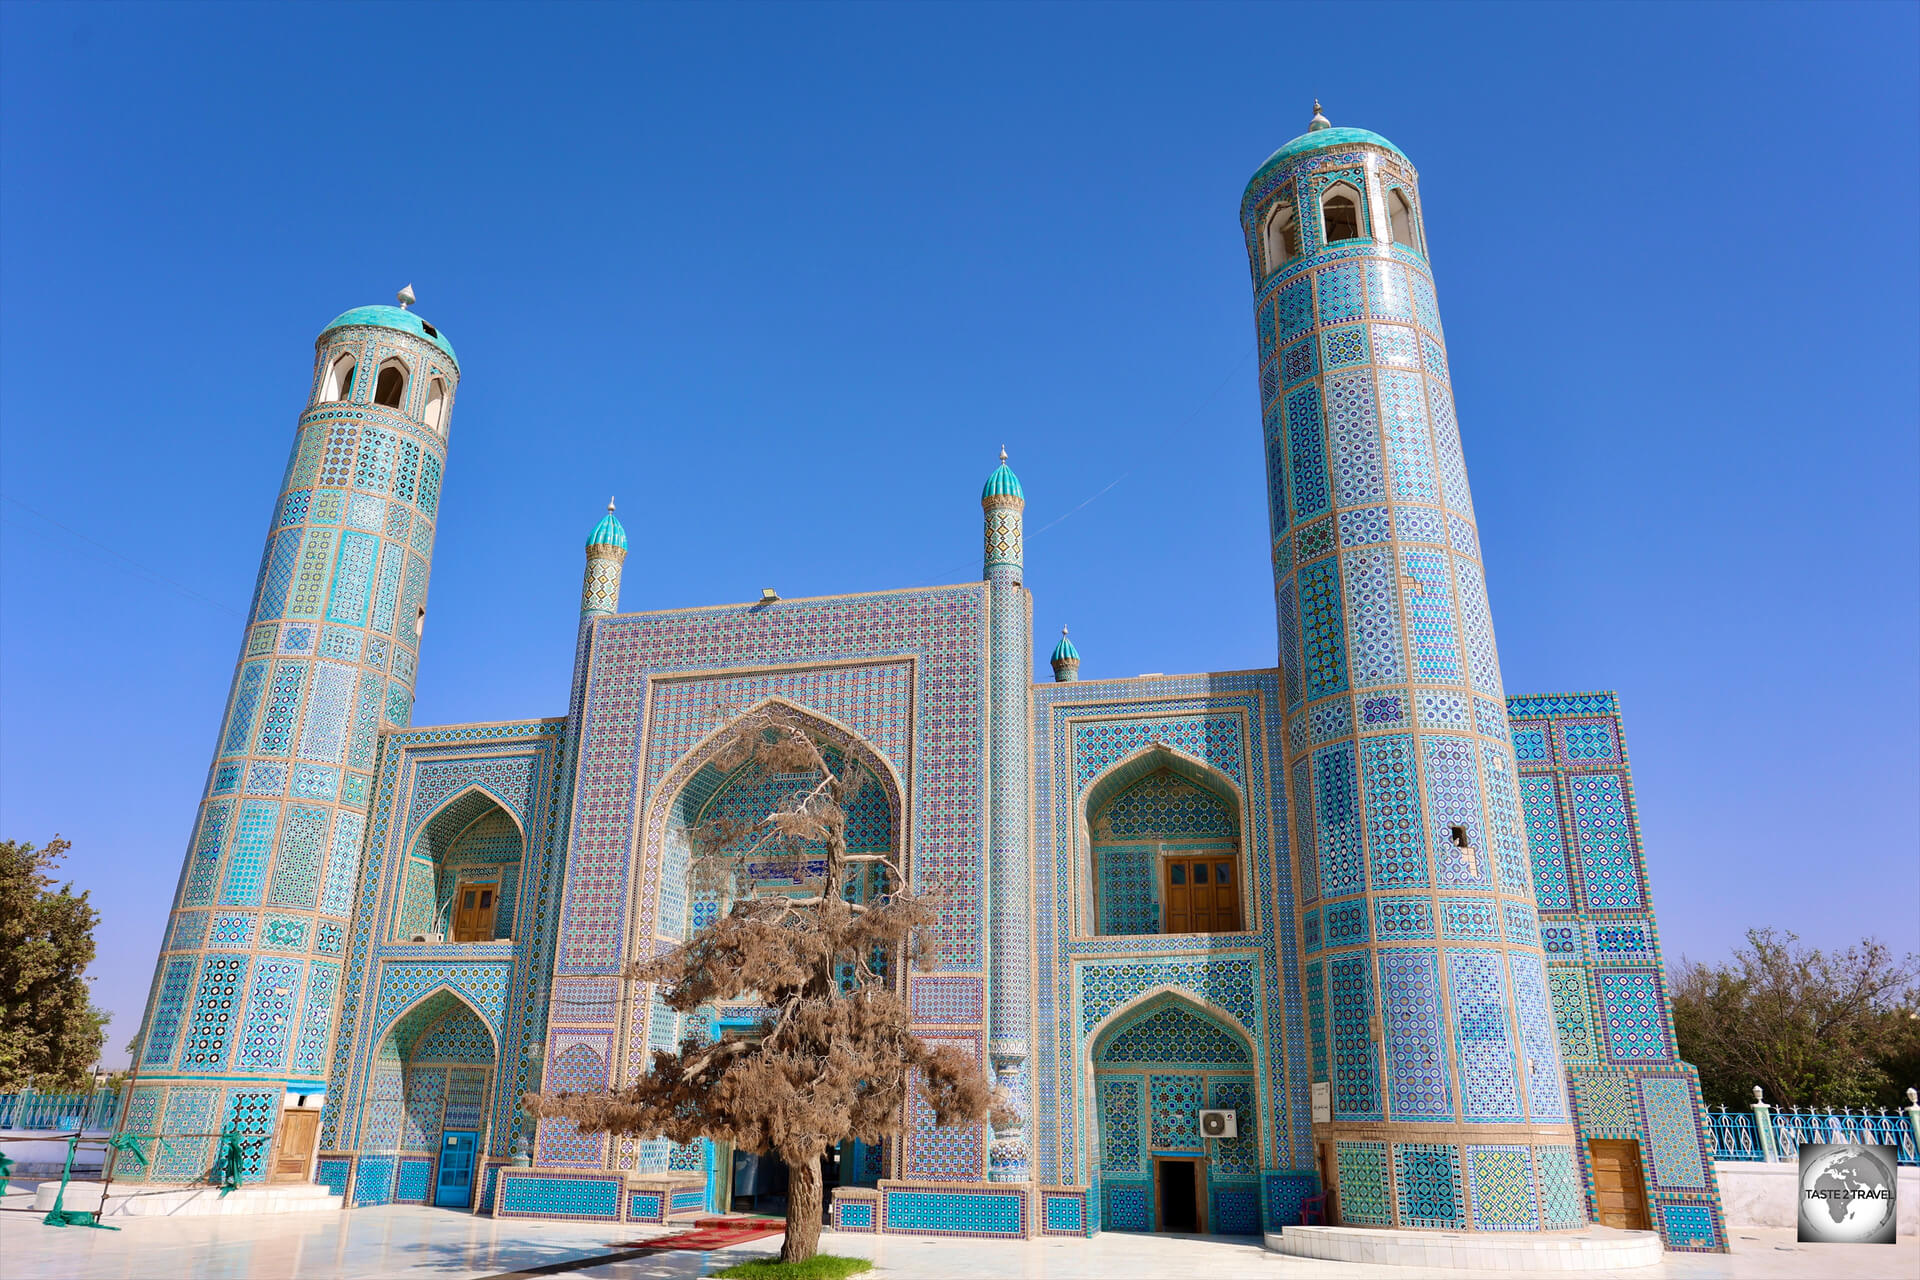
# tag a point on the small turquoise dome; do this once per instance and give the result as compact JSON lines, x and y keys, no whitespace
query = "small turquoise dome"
{"x":1064,"y":651}
{"x":394,"y":318}
{"x":1002,"y":483}
{"x":609,"y":532}
{"x":1321,"y":136}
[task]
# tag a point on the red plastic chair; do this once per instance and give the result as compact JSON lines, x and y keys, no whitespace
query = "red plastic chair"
{"x":1313,"y":1211}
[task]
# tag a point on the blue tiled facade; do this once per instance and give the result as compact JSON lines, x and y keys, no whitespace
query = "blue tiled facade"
{"x":1394,"y":924}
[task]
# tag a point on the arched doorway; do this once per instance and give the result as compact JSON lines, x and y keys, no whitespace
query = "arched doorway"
{"x":428,"y":1099}
{"x":1156,"y":1066}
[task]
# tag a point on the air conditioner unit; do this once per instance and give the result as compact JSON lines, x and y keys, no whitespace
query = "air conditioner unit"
{"x":1219,"y":1124}
{"x":428,"y":937}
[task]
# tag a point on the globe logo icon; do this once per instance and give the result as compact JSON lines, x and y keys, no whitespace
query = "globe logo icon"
{"x":1847,"y":1194}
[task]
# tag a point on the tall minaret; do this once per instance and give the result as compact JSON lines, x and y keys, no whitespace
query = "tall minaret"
{"x":243,"y":1002}
{"x":1438,"y":1095}
{"x":1009,"y":678}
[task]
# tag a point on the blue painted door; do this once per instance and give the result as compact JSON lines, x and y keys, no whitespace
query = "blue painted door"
{"x":455,"y":1188}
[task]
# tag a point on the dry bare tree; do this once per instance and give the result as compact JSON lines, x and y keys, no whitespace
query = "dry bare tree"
{"x":836,"y":1056}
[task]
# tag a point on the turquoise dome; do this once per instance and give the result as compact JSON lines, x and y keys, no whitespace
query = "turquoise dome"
{"x":394,"y":318}
{"x":1064,"y":651}
{"x":609,"y":532}
{"x":1322,"y":140}
{"x":1002,"y":483}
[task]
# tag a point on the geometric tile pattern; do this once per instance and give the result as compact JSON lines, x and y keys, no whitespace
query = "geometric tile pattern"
{"x":1673,"y":1133}
{"x":1481,"y":1036}
{"x":1396,"y":842}
{"x":1234,"y":1210}
{"x":1604,"y":839}
{"x":1176,"y":1102}
{"x":1562,"y":1204}
{"x":1125,"y":1206}
{"x":1427,"y":1176}
{"x":1174,"y":1034}
{"x":1633,"y":1015}
{"x":1356,"y":1086}
{"x":215,"y":1010}
{"x":1238,"y":1156}
{"x":1120,"y":1120}
{"x":1500,"y":1182}
{"x":1364,"y":1198}
{"x":1573,"y":1023}
{"x":253,"y":1113}
{"x":1417,"y":1077}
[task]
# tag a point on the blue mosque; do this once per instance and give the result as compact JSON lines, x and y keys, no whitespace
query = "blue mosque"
{"x":1358,"y":938}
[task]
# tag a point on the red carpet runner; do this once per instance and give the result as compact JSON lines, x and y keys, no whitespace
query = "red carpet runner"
{"x":713,"y":1233}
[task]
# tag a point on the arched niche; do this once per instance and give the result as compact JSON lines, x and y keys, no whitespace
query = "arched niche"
{"x":461,"y":877}
{"x":1163,"y":848}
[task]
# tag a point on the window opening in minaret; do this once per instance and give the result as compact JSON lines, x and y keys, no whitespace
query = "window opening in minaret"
{"x":1400,"y":215}
{"x":391,"y":385}
{"x":436,"y":405}
{"x":1283,"y":237}
{"x":1340,"y":213}
{"x":339,"y":384}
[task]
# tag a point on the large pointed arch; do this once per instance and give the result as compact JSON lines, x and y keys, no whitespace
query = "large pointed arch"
{"x":676,"y":798}
{"x":449,"y":821}
{"x":426,"y":1009}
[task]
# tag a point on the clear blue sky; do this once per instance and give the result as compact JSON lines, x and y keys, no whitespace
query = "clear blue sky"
{"x":786,"y":278}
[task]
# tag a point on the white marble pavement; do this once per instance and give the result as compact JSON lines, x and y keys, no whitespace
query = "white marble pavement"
{"x":410,"y":1242}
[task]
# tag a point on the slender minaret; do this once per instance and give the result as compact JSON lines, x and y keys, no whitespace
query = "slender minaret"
{"x":242,"y":1008}
{"x":606,"y":554}
{"x":1438,"y":1095}
{"x":1066,"y":660}
{"x":1009,"y":677}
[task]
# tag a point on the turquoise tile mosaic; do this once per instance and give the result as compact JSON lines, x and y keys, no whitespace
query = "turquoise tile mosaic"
{"x":1444,"y":941}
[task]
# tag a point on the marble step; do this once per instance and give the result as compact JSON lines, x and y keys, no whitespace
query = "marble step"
{"x":145,"y":1200}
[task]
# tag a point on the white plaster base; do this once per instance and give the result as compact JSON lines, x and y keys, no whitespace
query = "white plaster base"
{"x":1591,"y":1249}
{"x":1764,"y":1193}
{"x":136,"y":1200}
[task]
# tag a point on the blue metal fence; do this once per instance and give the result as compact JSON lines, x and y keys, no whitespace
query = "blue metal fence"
{"x":1737,"y":1135}
{"x":59,"y":1112}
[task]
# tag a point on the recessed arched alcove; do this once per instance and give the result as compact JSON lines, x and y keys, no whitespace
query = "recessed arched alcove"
{"x":1163,"y":848}
{"x":1157,"y":1065}
{"x":461,"y":879}
{"x":429,"y":1086}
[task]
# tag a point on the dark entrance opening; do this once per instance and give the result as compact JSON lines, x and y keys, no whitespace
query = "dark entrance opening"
{"x":760,"y":1181}
{"x":1179,"y":1196}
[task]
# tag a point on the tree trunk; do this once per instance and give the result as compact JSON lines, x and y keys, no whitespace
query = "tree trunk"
{"x":803,"y":1210}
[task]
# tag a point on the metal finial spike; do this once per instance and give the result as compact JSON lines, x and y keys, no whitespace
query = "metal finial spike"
{"x":1319,"y":120}
{"x":609,"y":506}
{"x":406,"y":297}
{"x":1003,"y":453}
{"x":1063,"y":631}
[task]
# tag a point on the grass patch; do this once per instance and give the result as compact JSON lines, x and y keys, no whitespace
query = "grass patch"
{"x":821,"y":1266}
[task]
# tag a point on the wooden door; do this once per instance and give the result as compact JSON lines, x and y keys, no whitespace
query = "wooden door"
{"x":1619,"y":1190}
{"x":293,"y":1149}
{"x":1202,"y":895}
{"x":473,"y":908}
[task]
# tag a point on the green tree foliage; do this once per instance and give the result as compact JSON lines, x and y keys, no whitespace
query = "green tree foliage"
{"x":1812,"y":1028}
{"x":50,"y":1031}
